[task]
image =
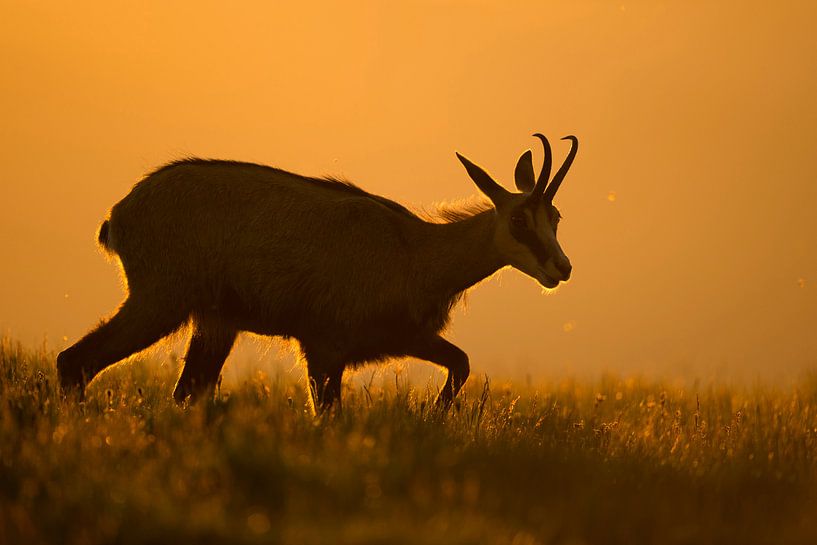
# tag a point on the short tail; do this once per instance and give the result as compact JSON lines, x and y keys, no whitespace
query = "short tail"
{"x":104,"y":236}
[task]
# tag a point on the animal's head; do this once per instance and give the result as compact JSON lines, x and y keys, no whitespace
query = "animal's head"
{"x":525,"y":234}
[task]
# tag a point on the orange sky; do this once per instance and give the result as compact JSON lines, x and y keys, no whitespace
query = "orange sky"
{"x":700,"y":117}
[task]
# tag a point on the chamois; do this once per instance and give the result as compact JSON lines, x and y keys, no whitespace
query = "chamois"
{"x":353,"y":277}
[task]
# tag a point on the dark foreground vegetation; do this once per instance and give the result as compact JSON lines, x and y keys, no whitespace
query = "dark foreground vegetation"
{"x":614,"y":461}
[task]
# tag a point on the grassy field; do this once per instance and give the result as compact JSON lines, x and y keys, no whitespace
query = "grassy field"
{"x":612,"y":461}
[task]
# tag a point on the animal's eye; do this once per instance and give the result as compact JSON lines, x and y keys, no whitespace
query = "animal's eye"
{"x":519,"y":222}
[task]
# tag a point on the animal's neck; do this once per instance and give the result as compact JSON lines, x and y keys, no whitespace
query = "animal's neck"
{"x":455,"y":256}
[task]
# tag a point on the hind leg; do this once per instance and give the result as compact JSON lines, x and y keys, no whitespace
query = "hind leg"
{"x":134,"y":327}
{"x":209,"y":346}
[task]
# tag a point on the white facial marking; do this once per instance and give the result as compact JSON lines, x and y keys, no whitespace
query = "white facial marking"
{"x":523,"y":256}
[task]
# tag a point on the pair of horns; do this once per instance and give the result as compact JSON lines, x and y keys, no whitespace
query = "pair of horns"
{"x":523,"y":174}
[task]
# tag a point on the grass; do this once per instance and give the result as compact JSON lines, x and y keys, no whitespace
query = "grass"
{"x":612,"y":461}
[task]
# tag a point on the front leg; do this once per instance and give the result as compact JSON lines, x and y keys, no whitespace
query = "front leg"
{"x":438,"y":350}
{"x":325,"y":376}
{"x":325,"y":387}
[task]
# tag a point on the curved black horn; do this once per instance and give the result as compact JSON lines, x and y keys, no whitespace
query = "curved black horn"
{"x":553,"y":187}
{"x":544,"y":174}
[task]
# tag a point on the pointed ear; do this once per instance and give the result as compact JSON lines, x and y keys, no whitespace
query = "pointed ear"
{"x":485,"y":183}
{"x":523,"y":174}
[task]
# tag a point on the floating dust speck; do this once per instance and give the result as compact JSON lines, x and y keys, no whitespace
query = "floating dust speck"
{"x":59,"y":433}
{"x":524,"y":538}
{"x":373,"y":490}
{"x":801,"y":282}
{"x":569,"y":326}
{"x":258,"y":523}
{"x":611,"y":196}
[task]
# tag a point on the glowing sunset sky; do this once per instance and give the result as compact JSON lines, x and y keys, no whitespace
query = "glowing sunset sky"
{"x":690,"y":214}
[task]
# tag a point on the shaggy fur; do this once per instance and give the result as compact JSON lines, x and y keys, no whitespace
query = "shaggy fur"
{"x":354,"y":277}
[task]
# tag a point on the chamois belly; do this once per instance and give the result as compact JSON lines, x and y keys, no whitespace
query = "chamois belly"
{"x":351,"y":337}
